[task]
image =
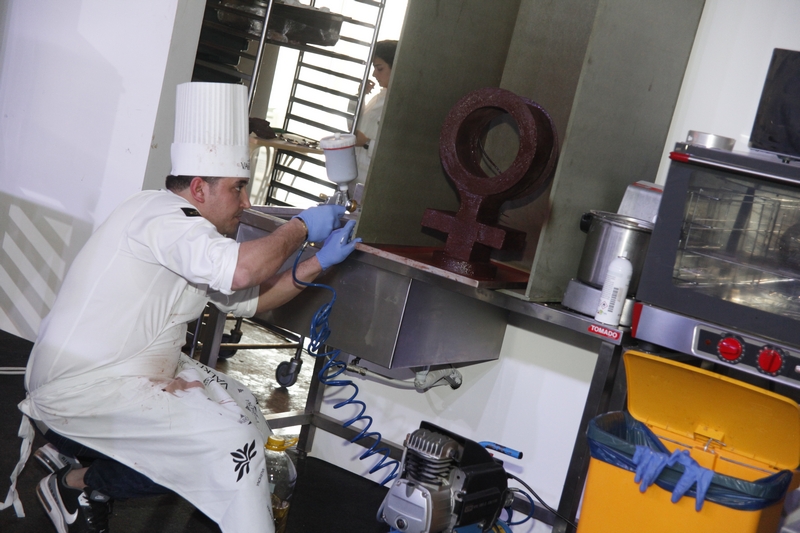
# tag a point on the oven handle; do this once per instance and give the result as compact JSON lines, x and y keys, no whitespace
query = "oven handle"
{"x":683,"y":157}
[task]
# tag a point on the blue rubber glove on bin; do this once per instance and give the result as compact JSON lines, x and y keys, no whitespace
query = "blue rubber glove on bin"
{"x":337,"y":246}
{"x":321,"y":220}
{"x":692,"y":473}
{"x":649,"y":464}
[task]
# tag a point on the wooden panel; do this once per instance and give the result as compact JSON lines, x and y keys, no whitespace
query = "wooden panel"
{"x":618,"y":125}
{"x":447,"y":49}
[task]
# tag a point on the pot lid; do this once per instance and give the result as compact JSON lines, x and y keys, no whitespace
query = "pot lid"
{"x":622,"y":220}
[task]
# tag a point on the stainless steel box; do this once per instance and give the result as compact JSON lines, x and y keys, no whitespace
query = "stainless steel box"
{"x":388,"y":312}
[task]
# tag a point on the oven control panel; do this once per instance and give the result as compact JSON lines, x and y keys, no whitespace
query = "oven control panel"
{"x":763,"y":357}
{"x":736,"y":349}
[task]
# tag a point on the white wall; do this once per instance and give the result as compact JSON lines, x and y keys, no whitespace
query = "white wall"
{"x":727,"y":68}
{"x":80,"y":83}
{"x":179,"y":67}
{"x":79,"y":88}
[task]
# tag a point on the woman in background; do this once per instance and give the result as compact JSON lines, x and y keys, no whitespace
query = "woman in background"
{"x":369,"y":122}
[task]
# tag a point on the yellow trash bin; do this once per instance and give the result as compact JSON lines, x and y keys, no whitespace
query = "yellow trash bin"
{"x":743,"y":433}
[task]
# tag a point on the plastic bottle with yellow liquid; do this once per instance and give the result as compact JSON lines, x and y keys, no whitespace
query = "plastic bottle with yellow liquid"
{"x":282,"y":476}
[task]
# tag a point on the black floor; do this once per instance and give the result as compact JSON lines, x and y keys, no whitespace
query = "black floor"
{"x":326,"y":499}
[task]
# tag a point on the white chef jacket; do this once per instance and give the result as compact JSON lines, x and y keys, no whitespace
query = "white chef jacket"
{"x":112,"y":342}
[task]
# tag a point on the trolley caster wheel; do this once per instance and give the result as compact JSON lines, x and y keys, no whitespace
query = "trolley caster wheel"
{"x":286,"y":374}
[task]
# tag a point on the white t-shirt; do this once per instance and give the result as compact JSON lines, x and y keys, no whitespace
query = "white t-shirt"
{"x":123,"y":306}
{"x":369,"y":123}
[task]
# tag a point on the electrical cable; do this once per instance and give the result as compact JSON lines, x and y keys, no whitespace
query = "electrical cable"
{"x":518,"y":480}
{"x":319,"y":333}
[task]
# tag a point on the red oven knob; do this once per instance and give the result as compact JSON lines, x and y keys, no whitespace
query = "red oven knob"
{"x":730,"y":349}
{"x":770,"y":360}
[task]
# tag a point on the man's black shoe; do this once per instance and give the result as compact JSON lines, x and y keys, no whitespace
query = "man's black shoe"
{"x":73,"y":510}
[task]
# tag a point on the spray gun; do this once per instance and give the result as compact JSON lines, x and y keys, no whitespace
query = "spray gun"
{"x":340,"y":164}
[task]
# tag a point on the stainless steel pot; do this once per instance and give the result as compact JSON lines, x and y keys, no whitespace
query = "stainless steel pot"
{"x":608,"y":235}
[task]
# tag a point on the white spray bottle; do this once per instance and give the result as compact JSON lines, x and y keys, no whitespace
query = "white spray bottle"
{"x":615,"y":290}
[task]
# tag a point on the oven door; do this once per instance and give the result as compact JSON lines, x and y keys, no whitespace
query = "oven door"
{"x":726,"y":248}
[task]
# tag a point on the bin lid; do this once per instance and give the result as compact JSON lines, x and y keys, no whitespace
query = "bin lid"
{"x":750,"y":421}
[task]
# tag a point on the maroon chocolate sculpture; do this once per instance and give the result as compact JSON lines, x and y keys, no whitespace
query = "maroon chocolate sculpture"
{"x":473,"y":231}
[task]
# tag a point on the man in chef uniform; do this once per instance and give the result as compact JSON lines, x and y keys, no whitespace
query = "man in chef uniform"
{"x":106,"y":371}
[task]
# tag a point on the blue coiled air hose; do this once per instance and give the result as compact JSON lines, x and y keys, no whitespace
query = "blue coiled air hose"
{"x":319,"y":333}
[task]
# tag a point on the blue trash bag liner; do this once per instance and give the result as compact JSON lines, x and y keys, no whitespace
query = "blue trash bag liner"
{"x":613,"y":438}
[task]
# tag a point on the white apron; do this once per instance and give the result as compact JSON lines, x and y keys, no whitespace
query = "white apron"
{"x":205,"y":443}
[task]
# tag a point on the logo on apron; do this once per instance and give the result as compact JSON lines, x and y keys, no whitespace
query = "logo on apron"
{"x":242,"y":457}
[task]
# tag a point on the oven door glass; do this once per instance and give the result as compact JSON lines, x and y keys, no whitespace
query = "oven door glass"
{"x":740,"y":242}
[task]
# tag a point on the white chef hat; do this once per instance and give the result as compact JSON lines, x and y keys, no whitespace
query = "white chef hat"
{"x":211,"y":125}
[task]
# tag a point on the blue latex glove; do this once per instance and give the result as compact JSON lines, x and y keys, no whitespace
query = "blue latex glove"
{"x":693,"y":473}
{"x":649,"y":464}
{"x":321,"y":220}
{"x":336,"y":247}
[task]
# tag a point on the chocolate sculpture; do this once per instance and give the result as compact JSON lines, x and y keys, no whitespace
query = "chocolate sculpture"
{"x":473,"y":231}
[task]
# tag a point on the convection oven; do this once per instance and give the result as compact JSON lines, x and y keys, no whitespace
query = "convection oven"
{"x":721,"y":279}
